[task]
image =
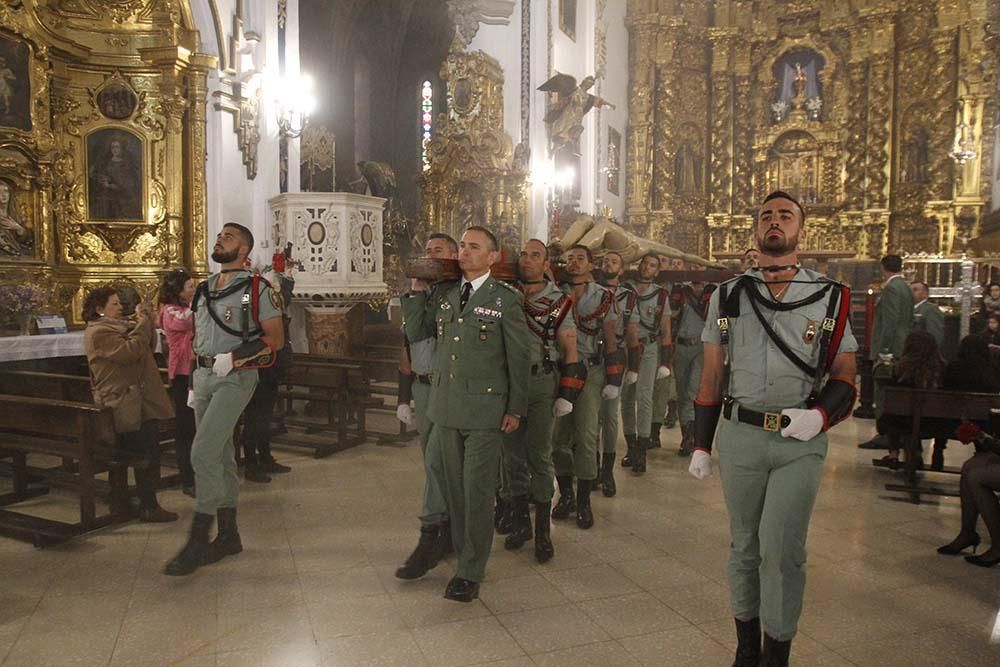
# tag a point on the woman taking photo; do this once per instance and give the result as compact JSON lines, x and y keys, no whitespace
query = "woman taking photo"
{"x":176,"y":319}
{"x":125,"y":378}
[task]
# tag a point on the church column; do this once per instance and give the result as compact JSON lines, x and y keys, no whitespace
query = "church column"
{"x":197,"y":230}
{"x":857,"y":128}
{"x":664,"y":136}
{"x":642,"y":88}
{"x":879,"y":130}
{"x":721,"y":126}
{"x":743,"y":197}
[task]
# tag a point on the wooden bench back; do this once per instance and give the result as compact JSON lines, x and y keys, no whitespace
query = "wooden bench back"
{"x":971,"y":406}
{"x":58,"y":426}
{"x":75,"y":388}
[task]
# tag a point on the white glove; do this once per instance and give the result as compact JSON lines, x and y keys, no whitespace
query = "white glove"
{"x":223,"y":364}
{"x":701,"y":464}
{"x":190,"y":401}
{"x":610,"y":392}
{"x":404,"y":413}
{"x":561,"y":407}
{"x":631,"y":377}
{"x":662,"y":372}
{"x":805,"y":424}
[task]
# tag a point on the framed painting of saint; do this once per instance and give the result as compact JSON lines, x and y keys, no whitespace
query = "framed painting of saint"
{"x":15,"y":87}
{"x":17,"y":237}
{"x":114,"y":176}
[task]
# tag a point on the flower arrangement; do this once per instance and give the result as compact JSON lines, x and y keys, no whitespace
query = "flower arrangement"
{"x":19,"y":300}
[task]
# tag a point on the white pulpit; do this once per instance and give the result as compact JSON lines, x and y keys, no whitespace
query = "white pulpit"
{"x":336,"y":242}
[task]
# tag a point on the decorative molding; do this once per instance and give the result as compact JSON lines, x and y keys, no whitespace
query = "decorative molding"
{"x":468,"y":14}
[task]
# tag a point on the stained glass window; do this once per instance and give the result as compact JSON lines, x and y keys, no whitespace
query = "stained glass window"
{"x":426,"y":122}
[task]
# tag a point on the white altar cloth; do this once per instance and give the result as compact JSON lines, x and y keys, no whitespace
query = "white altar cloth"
{"x":46,"y":346}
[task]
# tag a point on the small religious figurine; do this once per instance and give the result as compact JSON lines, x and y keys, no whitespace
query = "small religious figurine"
{"x":565,"y":118}
{"x":800,"y":86}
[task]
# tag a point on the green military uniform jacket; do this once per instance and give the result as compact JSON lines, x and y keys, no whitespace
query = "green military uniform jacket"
{"x":893,"y":319}
{"x":481,"y":366}
{"x":928,"y":317}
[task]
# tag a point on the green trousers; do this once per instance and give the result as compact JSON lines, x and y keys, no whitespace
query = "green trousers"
{"x":608,"y":425}
{"x":467,"y":462}
{"x":574,"y":439}
{"x":218,"y":404}
{"x":770,"y":485}
{"x":687,"y":376}
{"x":527,"y":452}
{"x":637,"y":398}
{"x":434,"y":511}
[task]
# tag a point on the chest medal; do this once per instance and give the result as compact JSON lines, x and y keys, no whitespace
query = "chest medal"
{"x":810,"y":334}
{"x":229,"y":314}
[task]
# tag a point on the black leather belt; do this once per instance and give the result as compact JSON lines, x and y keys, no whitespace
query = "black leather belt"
{"x":769,"y":421}
{"x":593,"y":361}
{"x":424,"y":379}
{"x":541,"y":368}
{"x":651,"y":338}
{"x":683,"y":340}
{"x":205,"y":362}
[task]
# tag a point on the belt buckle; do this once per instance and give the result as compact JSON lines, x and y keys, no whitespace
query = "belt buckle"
{"x":772,"y":421}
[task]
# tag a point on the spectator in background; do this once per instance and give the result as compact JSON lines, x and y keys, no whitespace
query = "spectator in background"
{"x":176,"y":292}
{"x":991,"y":300}
{"x":750,"y":257}
{"x":927,"y":316}
{"x":992,"y":333}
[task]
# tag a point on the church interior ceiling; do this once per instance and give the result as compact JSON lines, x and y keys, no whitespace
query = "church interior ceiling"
{"x":855,"y":107}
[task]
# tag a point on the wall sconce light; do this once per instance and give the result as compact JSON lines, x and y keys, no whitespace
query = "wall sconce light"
{"x":964,"y":147}
{"x":294,"y":102}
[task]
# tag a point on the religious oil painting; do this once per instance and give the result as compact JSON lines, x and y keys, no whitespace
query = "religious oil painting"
{"x":15,"y":88}
{"x":567,"y":18}
{"x":116,"y":101}
{"x":17,"y":238}
{"x":114,"y":176}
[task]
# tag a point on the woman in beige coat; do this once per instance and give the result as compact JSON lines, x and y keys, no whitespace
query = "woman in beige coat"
{"x":126,"y":379}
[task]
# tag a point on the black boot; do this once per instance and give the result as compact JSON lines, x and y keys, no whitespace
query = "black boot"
{"x":775,"y":653}
{"x":499,"y":510}
{"x":444,"y":545}
{"x":630,"y":441}
{"x":608,"y":486}
{"x":937,"y":456}
{"x":567,"y":501}
{"x":255,"y":472}
{"x":639,"y":460}
{"x":423,"y":557}
{"x":654,"y":435}
{"x":506,"y":522}
{"x":543,"y":540}
{"x":748,"y":647}
{"x":687,"y":439}
{"x":522,"y":524}
{"x":227,"y":542}
{"x":192,"y":556}
{"x":584,"y":516}
{"x":671,"y":419}
{"x":598,"y":482}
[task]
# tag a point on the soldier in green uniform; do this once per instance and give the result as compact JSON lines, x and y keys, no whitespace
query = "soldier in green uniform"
{"x":574,"y":440}
{"x":691,"y":306}
{"x":665,"y":388}
{"x":237,"y":329}
{"x":926,"y":314}
{"x":790,"y":351}
{"x":654,"y":363}
{"x":478,"y":393}
{"x":557,"y":378}
{"x":627,"y":337}
{"x":416,"y":374}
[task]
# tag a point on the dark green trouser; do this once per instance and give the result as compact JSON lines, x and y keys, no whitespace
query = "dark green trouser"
{"x":218,"y":404}
{"x":468,"y":462}
{"x":574,"y":439}
{"x":434,"y":511}
{"x":770,"y":484}
{"x":608,"y":424}
{"x":687,"y":376}
{"x":527,"y":452}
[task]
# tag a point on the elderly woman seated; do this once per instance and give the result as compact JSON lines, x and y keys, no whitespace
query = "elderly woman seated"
{"x":126,"y":379}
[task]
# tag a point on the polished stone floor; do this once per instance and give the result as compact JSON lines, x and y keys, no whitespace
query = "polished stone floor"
{"x":645,"y":586}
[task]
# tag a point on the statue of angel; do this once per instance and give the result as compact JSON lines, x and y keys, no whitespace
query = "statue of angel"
{"x":565,"y":118}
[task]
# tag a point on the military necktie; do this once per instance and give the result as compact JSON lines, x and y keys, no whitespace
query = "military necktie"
{"x":466,"y":293}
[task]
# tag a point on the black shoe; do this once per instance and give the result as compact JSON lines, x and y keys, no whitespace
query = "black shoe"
{"x":775,"y":653}
{"x":506,"y":523}
{"x":671,"y":419}
{"x":188,"y":491}
{"x":461,"y":590}
{"x":687,"y":439}
{"x":654,"y":435}
{"x":227,"y":542}
{"x":544,"y":550}
{"x":156,"y":515}
{"x":748,"y":646}
{"x":878,"y":442}
{"x":522,"y":524}
{"x":584,"y":515}
{"x":423,"y":557}
{"x":986,"y":559}
{"x":192,"y":556}
{"x":608,"y":486}
{"x":255,"y":472}
{"x":274,"y":467}
{"x":630,"y":441}
{"x":960,"y":544}
{"x":445,"y":546}
{"x":639,"y":461}
{"x":567,"y":501}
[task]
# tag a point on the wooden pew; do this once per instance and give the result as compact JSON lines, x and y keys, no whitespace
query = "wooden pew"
{"x":918,"y":404}
{"x":78,"y":431}
{"x":325,"y":384}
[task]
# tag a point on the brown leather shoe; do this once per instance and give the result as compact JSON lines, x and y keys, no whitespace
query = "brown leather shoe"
{"x":157,"y":515}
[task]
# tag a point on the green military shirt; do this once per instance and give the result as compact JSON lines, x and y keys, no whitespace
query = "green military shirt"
{"x":481,"y":364}
{"x":761,"y":377}
{"x":691,"y":323}
{"x":210,"y":339}
{"x":628,"y":312}
{"x":539,"y":309}
{"x":590,"y":311}
{"x":650,"y":313}
{"x":928,"y":317}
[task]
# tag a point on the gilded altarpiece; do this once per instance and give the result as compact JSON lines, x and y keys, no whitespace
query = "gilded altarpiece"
{"x":107,"y":179}
{"x":851,"y":106}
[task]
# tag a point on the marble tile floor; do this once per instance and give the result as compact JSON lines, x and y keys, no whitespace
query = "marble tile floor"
{"x":645,"y":586}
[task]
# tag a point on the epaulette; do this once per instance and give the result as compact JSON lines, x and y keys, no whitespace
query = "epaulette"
{"x":505,"y":285}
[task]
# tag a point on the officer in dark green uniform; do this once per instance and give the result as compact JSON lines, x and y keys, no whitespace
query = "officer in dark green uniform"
{"x":478,"y":393}
{"x":790,"y":350}
{"x":238,"y":329}
{"x":418,"y":359}
{"x":556,"y":380}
